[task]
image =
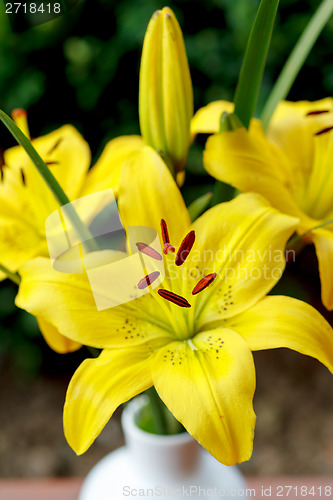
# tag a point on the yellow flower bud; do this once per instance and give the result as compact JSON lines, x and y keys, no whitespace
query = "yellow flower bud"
{"x":165,"y":91}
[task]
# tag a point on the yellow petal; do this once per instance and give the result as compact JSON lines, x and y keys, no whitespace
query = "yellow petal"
{"x":291,"y":129}
{"x":106,"y":171}
{"x":66,"y":301}
{"x":286,"y":322}
{"x":243,"y":241}
{"x":98,"y":387}
{"x":208,"y":384}
{"x":68,"y":156}
{"x":249,"y":162}
{"x":21,"y":229}
{"x":318,"y":193}
{"x":148,"y":193}
{"x":55,"y":340}
{"x":207,"y":119}
{"x":323,"y":240}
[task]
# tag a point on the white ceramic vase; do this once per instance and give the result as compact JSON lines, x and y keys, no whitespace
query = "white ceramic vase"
{"x":151,"y":465}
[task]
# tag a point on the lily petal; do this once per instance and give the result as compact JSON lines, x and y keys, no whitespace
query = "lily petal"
{"x":207,"y":119}
{"x":246,"y":160}
{"x":106,"y":171}
{"x":208,"y":384}
{"x":68,"y":155}
{"x":66,"y":301}
{"x":148,"y":193}
{"x":323,"y":241}
{"x":98,"y":387}
{"x":291,"y":129}
{"x":59,"y":343}
{"x":286,"y":322}
{"x":243,"y":241}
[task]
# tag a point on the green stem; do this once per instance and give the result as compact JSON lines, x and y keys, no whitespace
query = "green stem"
{"x":250,"y":77}
{"x":14,"y":277}
{"x":296,"y":59}
{"x":222,"y":192}
{"x":81,"y":230}
{"x":157,"y":411}
{"x":298,"y":237}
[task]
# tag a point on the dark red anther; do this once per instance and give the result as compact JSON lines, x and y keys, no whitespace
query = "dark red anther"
{"x":317,"y":112}
{"x":52,"y":163}
{"x":165,"y":234}
{"x":148,"y":280}
{"x":151,"y":252}
{"x":203,"y":283}
{"x":172,"y":297}
{"x":55,"y":145}
{"x":185,"y":248}
{"x":324,"y":130}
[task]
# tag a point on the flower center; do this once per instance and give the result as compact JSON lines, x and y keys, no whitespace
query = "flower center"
{"x":180,"y":321}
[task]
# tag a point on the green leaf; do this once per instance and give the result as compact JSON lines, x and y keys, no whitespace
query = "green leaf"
{"x":296,"y":59}
{"x":254,"y":61}
{"x":199,"y":205}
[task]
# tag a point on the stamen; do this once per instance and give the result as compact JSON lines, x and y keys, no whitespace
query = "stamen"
{"x":172,"y":297}
{"x":2,"y":173}
{"x":23,"y":177}
{"x":54,"y":147}
{"x":52,"y":163}
{"x":168,"y":248}
{"x":20,"y":118}
{"x":165,"y":234}
{"x":166,"y":240}
{"x":203,"y":283}
{"x":324,"y":130}
{"x":185,"y":248}
{"x":151,"y":252}
{"x":148,"y":280}
{"x":317,"y":112}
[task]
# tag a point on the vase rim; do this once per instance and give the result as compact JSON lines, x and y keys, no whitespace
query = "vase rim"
{"x":129,"y":425}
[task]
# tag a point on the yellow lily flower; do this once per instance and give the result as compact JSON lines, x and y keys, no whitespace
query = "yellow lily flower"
{"x":291,"y":166}
{"x":26,"y":201}
{"x":192,"y":336}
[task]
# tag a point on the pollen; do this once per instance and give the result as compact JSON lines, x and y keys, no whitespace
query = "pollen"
{"x":165,"y":237}
{"x":148,"y":280}
{"x":174,"y":298}
{"x":148,"y":250}
{"x":204,"y":283}
{"x":185,"y":248}
{"x":324,"y":131}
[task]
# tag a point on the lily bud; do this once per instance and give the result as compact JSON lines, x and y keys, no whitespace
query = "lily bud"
{"x":165,"y":91}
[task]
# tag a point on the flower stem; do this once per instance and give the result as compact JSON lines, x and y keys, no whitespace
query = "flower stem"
{"x":81,"y":230}
{"x":14,"y":277}
{"x":295,"y":239}
{"x":296,"y":59}
{"x":250,"y":77}
{"x":157,"y":411}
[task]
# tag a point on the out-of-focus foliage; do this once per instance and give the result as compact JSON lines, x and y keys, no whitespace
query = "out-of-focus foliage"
{"x":83,"y":68}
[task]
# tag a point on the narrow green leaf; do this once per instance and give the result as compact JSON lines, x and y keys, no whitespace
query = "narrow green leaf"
{"x":222,"y":192}
{"x":81,"y":230}
{"x":254,"y":61}
{"x":199,"y":205}
{"x":296,"y":59}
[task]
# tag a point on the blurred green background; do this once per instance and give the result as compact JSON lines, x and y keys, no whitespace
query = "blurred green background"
{"x":83,"y":68}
